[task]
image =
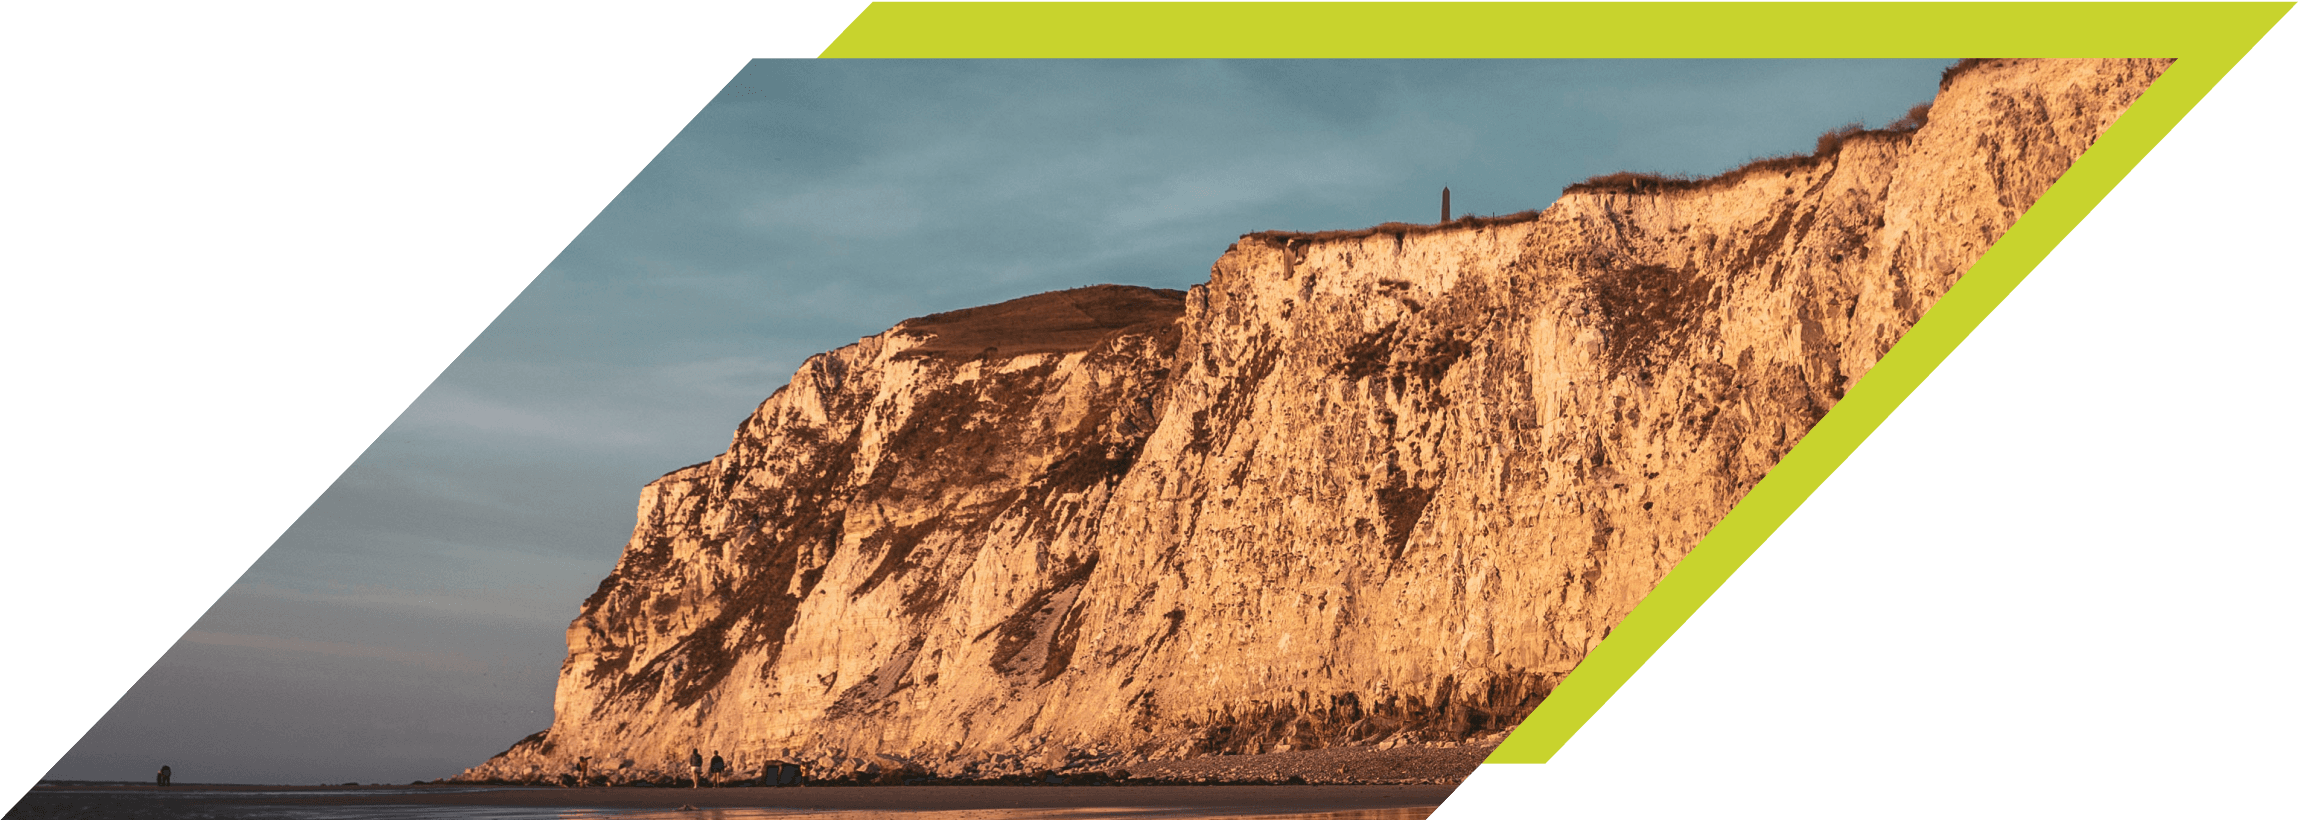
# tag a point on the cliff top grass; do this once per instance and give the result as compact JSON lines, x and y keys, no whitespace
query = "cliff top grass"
{"x":1398,"y":228}
{"x":1947,"y":77}
{"x":1828,"y":145}
{"x":1062,"y":321}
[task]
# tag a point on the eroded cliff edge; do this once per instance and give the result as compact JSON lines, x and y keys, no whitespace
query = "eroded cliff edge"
{"x":1381,"y":487}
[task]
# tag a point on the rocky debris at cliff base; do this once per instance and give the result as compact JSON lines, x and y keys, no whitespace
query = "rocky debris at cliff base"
{"x":1356,"y":765}
{"x":1384,"y":764}
{"x":142,"y":800}
{"x":1440,"y":763}
{"x":1393,"y":761}
{"x":1368,"y":485}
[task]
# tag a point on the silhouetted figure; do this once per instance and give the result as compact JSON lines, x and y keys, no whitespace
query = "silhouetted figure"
{"x":582,"y":771}
{"x":694,"y":759}
{"x":717,"y":766}
{"x":165,"y":774}
{"x":1446,"y":214}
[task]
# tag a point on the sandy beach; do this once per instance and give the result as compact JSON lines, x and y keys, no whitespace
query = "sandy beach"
{"x":88,"y":801}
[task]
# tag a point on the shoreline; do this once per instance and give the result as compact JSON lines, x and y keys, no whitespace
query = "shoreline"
{"x":1441,"y":763}
{"x":1400,"y":802}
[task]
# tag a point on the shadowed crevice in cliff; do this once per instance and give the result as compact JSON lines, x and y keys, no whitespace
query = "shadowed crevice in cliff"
{"x":749,"y":615}
{"x":894,"y":545}
{"x":1040,"y":635}
{"x":868,"y":696}
{"x":1363,"y":487}
{"x":1652,"y":311}
{"x":1367,"y":355}
{"x":1400,"y":510}
{"x":1451,"y":711}
{"x":751,"y":619}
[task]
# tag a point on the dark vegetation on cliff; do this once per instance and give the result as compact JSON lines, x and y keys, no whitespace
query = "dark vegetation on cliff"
{"x":1828,"y":145}
{"x":1059,"y":322}
{"x":1339,"y":501}
{"x":1961,"y":67}
{"x":1399,"y":229}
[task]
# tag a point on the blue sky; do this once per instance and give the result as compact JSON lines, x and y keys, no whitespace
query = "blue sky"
{"x":412,"y":622}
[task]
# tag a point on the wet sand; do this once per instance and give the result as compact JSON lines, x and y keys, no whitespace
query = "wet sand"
{"x":136,"y":802}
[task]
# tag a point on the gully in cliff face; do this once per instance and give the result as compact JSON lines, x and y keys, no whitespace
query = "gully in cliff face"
{"x":1357,"y":503}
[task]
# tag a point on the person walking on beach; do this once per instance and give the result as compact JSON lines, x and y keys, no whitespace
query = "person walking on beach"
{"x":717,"y":766}
{"x":582,"y":772}
{"x":694,"y":759}
{"x":164,"y":775}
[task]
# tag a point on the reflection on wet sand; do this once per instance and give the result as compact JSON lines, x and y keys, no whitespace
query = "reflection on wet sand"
{"x":1414,"y":813}
{"x":909,"y":803}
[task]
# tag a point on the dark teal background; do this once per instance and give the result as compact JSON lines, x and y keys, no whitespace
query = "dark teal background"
{"x":2055,"y":584}
{"x":242,"y":237}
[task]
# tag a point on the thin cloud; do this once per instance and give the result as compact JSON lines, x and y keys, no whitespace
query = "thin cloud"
{"x":492,"y":607}
{"x":817,"y":202}
{"x":741,"y":376}
{"x":450,"y":407}
{"x":436,"y":661}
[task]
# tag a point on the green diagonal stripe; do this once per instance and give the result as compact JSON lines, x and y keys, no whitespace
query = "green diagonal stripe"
{"x":1863,"y":409}
{"x":2206,"y":38}
{"x":1376,"y":30}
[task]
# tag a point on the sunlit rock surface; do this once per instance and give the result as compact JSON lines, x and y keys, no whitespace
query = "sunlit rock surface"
{"x":1374,"y":488}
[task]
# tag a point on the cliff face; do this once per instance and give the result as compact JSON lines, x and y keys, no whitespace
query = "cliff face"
{"x":1371,"y":488}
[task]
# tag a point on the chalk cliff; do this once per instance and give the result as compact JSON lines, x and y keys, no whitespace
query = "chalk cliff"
{"x":1375,"y":487}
